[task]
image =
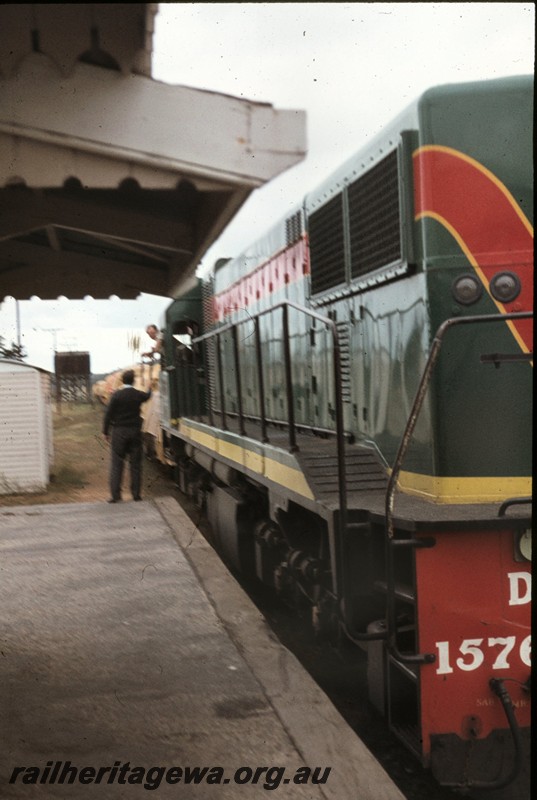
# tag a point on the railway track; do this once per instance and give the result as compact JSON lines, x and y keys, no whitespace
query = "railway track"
{"x":339,"y":668}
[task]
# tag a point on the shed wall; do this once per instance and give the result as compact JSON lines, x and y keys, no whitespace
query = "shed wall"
{"x":24,"y":432}
{"x":49,"y":429}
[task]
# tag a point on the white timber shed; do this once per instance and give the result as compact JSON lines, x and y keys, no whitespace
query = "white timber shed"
{"x":26,"y":440}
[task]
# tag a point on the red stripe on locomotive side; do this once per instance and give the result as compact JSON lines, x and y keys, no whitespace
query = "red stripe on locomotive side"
{"x":483,"y":216}
{"x":287,"y":266}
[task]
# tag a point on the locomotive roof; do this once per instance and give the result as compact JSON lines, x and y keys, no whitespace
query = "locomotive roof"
{"x":412,"y":117}
{"x":361,"y":161}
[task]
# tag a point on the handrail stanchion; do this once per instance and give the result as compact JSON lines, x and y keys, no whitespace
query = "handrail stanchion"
{"x":221,"y":380}
{"x":260,"y":380}
{"x":289,"y":380}
{"x":340,"y":434}
{"x":235,"y":337}
{"x":209,"y":381}
{"x":196,"y":377}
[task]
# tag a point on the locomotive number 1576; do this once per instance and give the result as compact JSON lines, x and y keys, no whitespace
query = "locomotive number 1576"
{"x":473,"y":653}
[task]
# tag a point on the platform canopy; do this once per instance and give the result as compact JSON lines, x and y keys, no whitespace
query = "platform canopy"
{"x":112,"y":183}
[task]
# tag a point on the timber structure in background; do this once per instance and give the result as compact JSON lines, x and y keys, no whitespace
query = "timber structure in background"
{"x":72,"y":377}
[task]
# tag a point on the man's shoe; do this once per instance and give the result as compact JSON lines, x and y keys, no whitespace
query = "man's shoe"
{"x":114,"y":501}
{"x":137,"y":498}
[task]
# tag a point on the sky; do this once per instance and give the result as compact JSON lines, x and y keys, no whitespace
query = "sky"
{"x":351,"y":66}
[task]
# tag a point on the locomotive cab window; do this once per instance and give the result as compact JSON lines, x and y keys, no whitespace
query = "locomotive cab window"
{"x":183,"y":333}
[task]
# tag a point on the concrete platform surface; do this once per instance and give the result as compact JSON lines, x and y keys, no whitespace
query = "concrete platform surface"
{"x":129,"y":657}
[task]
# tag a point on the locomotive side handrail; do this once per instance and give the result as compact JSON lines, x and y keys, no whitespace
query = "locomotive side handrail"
{"x":397,"y":466}
{"x":420,"y":396}
{"x":285,"y":305}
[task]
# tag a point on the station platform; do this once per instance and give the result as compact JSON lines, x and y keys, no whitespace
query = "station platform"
{"x":131,"y":662}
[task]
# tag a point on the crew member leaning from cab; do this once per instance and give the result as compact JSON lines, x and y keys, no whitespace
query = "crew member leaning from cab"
{"x":154,"y":334}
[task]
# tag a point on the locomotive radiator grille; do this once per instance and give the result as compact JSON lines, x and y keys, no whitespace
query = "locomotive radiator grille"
{"x":327,"y":248}
{"x":207,"y":300}
{"x":293,"y":228}
{"x":374,"y":218}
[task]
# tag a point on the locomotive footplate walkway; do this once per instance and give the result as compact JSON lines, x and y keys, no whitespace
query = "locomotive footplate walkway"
{"x":366,"y":480}
{"x":130,"y":657}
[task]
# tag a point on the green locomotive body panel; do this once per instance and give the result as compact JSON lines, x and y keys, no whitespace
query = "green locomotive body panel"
{"x":474,"y":218}
{"x":372,"y":249}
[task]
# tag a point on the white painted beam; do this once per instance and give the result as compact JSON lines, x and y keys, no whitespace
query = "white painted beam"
{"x":103,"y":125}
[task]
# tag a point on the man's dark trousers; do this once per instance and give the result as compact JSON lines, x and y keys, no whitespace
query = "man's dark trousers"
{"x":126,"y":442}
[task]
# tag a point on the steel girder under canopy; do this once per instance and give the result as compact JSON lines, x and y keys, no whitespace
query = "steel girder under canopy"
{"x":118,"y":184}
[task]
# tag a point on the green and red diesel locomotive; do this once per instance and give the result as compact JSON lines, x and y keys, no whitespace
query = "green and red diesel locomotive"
{"x":350,"y":400}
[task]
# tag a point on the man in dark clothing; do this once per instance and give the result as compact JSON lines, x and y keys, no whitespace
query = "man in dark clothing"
{"x":123,"y":417}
